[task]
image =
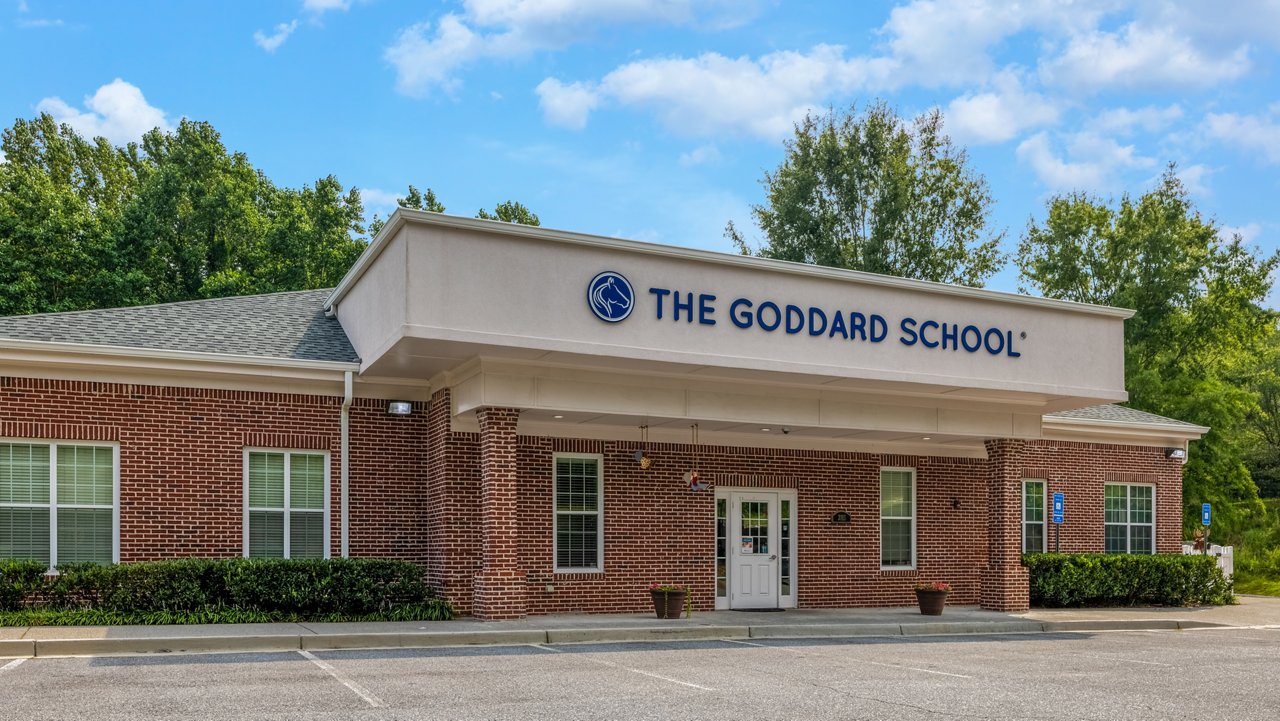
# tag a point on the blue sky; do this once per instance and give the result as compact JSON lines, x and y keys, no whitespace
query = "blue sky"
{"x":656,"y":119}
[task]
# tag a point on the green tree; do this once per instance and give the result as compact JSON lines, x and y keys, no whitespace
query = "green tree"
{"x":84,"y":224}
{"x":1263,"y":440}
{"x":1198,"y":321}
{"x":510,"y":212}
{"x":61,"y":199}
{"x":415,"y":200}
{"x":878,"y":193}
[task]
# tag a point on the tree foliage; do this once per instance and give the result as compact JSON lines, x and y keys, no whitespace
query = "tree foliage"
{"x":85,"y":224}
{"x":510,"y":212}
{"x":880,"y":194}
{"x":1198,"y":323}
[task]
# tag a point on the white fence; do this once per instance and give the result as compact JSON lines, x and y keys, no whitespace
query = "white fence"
{"x":1225,"y":554}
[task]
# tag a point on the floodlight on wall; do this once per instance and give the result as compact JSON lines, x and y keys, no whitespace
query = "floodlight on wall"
{"x":399,"y":408}
{"x":1178,"y":454}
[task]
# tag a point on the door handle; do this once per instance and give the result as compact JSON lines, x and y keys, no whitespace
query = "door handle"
{"x":774,"y":557}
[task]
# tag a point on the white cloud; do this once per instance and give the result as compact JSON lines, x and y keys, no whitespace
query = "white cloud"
{"x":320,"y":6}
{"x":375,"y":199}
{"x":712,"y":94}
{"x":275,"y":40}
{"x":426,"y":56}
{"x":1247,"y":232}
{"x":40,"y":23}
{"x":566,"y":105}
{"x":700,"y":155}
{"x":117,"y":111}
{"x":1140,"y":57}
{"x":1094,"y":164}
{"x":1195,"y":178}
{"x":1250,"y":133}
{"x":1124,"y":120}
{"x":998,"y":114}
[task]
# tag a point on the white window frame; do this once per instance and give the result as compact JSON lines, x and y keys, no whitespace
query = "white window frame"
{"x":915,"y":495}
{"x":288,"y":512}
{"x":555,"y":515}
{"x":1044,"y":510}
{"x":1128,"y":522}
{"x":53,"y":504}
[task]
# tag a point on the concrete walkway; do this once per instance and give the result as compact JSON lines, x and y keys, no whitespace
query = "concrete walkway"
{"x":22,"y":642}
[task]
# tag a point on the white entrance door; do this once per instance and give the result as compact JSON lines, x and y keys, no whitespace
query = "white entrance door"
{"x":753,"y":550}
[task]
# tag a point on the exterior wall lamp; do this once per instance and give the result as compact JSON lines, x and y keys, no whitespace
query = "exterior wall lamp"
{"x":399,"y":408}
{"x":1178,"y":454}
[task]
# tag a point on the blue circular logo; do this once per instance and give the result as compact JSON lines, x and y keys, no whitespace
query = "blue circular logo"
{"x":610,"y":296}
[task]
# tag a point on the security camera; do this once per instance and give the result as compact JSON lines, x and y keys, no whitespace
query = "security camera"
{"x":785,"y":430}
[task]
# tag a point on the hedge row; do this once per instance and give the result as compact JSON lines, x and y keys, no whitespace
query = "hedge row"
{"x":197,"y":590}
{"x":1092,"y":579}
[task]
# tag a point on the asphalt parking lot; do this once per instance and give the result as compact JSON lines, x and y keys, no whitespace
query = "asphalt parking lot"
{"x":1210,"y":673}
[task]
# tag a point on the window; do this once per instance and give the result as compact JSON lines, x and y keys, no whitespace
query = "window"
{"x":722,"y":548}
{"x":58,"y":503}
{"x":1033,"y":535}
{"x":286,"y":504}
{"x":1130,"y":519}
{"x":578,"y":536}
{"x":897,"y":518}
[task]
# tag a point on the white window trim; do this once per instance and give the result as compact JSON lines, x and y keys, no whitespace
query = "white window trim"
{"x":880,"y":517}
{"x":1044,"y":509}
{"x":1128,"y":511}
{"x":555,"y":535}
{"x":53,"y":504}
{"x":244,"y":491}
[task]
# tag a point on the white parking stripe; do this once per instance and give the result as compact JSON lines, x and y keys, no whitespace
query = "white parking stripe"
{"x":874,"y":663}
{"x":1117,"y":659}
{"x":626,"y":668}
{"x":12,"y":664}
{"x":359,"y":690}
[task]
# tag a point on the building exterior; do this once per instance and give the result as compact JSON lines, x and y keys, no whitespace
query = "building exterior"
{"x":549,"y":422}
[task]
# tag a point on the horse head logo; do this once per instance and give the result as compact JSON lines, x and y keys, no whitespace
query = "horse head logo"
{"x":610,"y":296}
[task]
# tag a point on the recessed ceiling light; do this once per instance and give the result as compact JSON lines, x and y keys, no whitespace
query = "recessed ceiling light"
{"x":557,"y":417}
{"x":766,"y":430}
{"x":927,"y":438}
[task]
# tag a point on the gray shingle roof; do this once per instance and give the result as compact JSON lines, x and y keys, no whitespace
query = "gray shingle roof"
{"x":276,"y":325}
{"x":1118,"y":414}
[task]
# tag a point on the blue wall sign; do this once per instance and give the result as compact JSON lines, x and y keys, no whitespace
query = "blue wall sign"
{"x":1058,"y":508}
{"x":610,"y":297}
{"x":1206,"y":514}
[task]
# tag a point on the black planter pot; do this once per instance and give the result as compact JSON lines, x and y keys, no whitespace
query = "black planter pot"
{"x":668,"y":604}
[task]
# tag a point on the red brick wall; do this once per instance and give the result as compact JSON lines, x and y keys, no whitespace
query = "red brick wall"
{"x":181,"y":460}
{"x":416,"y":494}
{"x":1080,"y":470}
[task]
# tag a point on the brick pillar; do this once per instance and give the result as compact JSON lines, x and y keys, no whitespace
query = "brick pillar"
{"x":499,"y":590}
{"x":1004,"y":580}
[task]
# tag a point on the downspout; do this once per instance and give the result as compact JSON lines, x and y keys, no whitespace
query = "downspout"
{"x":345,"y":464}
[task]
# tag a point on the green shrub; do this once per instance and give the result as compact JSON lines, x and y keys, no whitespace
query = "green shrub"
{"x":1091,"y":579}
{"x":197,"y":590}
{"x":17,"y":579}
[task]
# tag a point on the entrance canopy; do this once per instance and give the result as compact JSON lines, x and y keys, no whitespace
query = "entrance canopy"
{"x":592,"y":336}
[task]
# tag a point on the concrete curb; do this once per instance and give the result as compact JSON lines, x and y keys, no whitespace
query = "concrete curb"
{"x":17,"y":648}
{"x":333,"y":641}
{"x":190,"y":644}
{"x":669,"y":633}
{"x":27,"y":648}
{"x":947,"y":628}
{"x":827,"y":630}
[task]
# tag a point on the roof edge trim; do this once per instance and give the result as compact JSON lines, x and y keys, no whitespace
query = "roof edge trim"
{"x":196,"y":356}
{"x":401,"y":216}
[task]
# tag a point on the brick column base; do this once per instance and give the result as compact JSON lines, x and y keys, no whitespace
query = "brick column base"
{"x":499,"y":596}
{"x":1006,"y":588}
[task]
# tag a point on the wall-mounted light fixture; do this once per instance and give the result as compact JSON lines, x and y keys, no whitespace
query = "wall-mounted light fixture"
{"x":399,"y":408}
{"x":1178,"y":454}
